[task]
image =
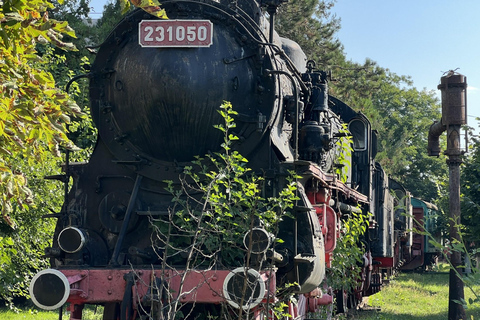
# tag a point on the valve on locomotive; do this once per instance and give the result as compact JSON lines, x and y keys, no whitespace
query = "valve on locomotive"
{"x":314,"y":137}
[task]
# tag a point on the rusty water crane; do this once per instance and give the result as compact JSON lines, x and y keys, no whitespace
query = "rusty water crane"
{"x":454,"y":114}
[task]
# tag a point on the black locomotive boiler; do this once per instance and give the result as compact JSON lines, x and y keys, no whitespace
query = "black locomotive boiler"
{"x":155,"y":88}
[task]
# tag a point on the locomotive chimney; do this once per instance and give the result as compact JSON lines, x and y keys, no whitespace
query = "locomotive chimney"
{"x":272,"y":6}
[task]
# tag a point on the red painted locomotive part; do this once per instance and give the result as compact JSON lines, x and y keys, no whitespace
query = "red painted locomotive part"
{"x":331,"y":236}
{"x":417,"y":257}
{"x":320,"y":196}
{"x":326,"y":216}
{"x":328,"y":220}
{"x":328,"y":260}
{"x":75,"y":311}
{"x":385,"y":262}
{"x":314,"y":302}
{"x":317,"y":298}
{"x":95,"y":286}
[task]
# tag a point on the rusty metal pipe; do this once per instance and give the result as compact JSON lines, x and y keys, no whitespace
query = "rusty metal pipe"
{"x":346,"y":208}
{"x":436,"y":129}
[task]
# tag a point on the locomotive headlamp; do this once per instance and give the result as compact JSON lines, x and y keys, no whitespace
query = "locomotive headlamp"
{"x":244,"y":288}
{"x":258,"y":239}
{"x":71,"y":240}
{"x":49,"y":289}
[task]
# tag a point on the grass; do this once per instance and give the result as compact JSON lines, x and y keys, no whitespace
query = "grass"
{"x":414,"y":296}
{"x":89,"y":313}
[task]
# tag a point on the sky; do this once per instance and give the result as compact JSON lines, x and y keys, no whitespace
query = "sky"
{"x":417,"y":38}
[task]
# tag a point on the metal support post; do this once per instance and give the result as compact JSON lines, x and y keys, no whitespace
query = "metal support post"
{"x":456,"y":287}
{"x":454,"y":115}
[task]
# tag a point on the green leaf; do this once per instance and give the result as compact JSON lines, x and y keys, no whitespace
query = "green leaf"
{"x":13,"y":16}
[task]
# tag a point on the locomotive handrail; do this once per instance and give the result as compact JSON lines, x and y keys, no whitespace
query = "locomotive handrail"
{"x":126,"y":221}
{"x":75,"y":78}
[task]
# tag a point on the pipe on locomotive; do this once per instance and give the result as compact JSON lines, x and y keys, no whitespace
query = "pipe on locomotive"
{"x":344,"y":208}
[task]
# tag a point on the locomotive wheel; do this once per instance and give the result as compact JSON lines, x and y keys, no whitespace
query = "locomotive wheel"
{"x":111,"y":311}
{"x":341,"y":298}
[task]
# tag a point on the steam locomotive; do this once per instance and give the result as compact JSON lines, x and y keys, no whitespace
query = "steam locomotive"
{"x":155,"y":88}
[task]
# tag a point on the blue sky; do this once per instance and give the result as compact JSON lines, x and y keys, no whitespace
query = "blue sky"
{"x":417,"y":38}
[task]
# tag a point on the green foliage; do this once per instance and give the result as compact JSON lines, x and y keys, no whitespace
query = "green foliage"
{"x":470,"y":187}
{"x":67,"y":64}
{"x":402,"y":115}
{"x":150,"y":6}
{"x":215,"y":203}
{"x":33,"y":111}
{"x":220,"y":200}
{"x":89,"y":313}
{"x":22,"y":247}
{"x":112,"y":14}
{"x":344,"y":154}
{"x":472,"y":279}
{"x":399,"y":112}
{"x":348,"y":254}
{"x":310,"y":23}
{"x":469,"y":229}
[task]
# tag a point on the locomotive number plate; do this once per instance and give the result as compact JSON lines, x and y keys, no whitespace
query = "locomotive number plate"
{"x":175,"y":33}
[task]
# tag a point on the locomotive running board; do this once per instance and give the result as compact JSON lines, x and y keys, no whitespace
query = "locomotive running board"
{"x":307,"y":169}
{"x":95,"y":286}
